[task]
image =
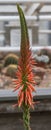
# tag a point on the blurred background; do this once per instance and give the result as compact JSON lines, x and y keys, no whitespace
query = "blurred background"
{"x":38,"y":16}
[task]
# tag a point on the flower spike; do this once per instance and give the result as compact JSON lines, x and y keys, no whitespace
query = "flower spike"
{"x":25,"y":76}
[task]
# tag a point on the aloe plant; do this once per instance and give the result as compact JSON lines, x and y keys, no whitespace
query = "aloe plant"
{"x":25,"y":76}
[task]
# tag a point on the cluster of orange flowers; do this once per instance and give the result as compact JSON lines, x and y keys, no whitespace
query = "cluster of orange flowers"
{"x":25,"y":78}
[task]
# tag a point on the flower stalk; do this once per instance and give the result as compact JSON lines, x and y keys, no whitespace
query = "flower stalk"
{"x":25,"y":76}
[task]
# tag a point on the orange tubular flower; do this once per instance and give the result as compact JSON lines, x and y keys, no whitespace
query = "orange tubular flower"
{"x":25,"y":76}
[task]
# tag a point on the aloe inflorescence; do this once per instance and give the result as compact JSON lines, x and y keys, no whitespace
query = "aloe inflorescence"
{"x":25,"y":76}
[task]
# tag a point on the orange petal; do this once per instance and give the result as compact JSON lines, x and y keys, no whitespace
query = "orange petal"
{"x":33,"y":89}
{"x":15,"y":105}
{"x":29,"y":91}
{"x":31,"y":86}
{"x":16,"y":88}
{"x":21,"y":99}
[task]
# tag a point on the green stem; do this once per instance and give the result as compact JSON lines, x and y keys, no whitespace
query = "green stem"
{"x":26,"y":117}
